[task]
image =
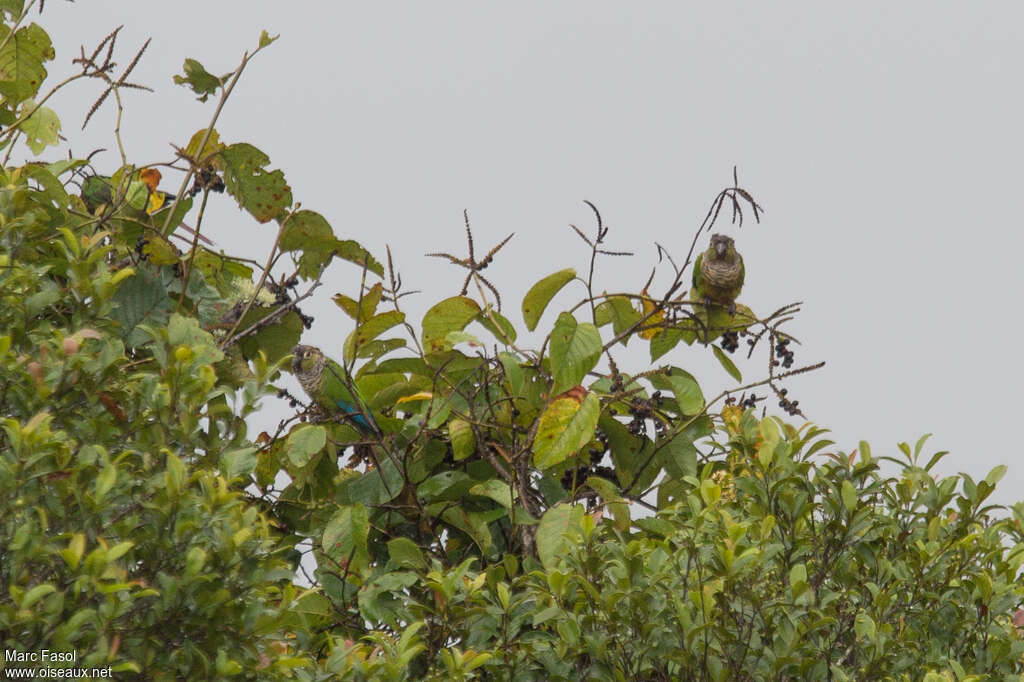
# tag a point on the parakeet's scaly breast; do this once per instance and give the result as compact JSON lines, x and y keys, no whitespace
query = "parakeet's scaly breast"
{"x":721,"y":276}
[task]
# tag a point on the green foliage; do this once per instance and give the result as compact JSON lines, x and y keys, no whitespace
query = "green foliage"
{"x":488,"y":527}
{"x":773,"y":565}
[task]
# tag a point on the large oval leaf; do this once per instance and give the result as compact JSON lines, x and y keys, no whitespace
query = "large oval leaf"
{"x":541,"y":293}
{"x":450,"y":315}
{"x":575,"y":349}
{"x":566,"y":426}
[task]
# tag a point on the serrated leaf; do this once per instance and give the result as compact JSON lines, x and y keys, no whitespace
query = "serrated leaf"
{"x":451,"y":314}
{"x":575,"y":350}
{"x":565,"y":426}
{"x":541,"y":293}
{"x":727,"y":363}
{"x":264,"y":194}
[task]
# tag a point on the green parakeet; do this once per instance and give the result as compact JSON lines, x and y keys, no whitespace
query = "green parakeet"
{"x":324,"y":380}
{"x":718,"y":273}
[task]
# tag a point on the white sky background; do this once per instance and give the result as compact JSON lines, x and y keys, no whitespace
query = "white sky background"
{"x":883,"y":141}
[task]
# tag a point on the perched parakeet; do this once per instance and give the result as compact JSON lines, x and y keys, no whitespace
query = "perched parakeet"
{"x":718,"y":273}
{"x":324,"y":380}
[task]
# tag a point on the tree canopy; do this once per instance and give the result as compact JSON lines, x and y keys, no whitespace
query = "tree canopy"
{"x":521,"y":509}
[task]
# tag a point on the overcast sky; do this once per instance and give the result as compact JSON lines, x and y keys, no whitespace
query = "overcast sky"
{"x":882,"y":139}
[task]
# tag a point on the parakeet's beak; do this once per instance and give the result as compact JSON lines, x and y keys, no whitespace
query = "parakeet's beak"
{"x":297,"y":360}
{"x":720,"y":248}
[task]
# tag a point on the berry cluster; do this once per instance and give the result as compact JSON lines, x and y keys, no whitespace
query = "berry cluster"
{"x":207,"y":178}
{"x":790,"y":406}
{"x":730,"y":341}
{"x":783,"y":351}
{"x":750,"y":401}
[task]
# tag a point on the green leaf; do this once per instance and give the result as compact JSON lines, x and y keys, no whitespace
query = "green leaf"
{"x":680,"y":455}
{"x":363,"y":309}
{"x":727,"y":363}
{"x":238,"y":463}
{"x":451,"y":314}
{"x":849,"y":495}
{"x":310,"y":233}
{"x":494,"y":489}
{"x":447,"y":485}
{"x":565,"y":426}
{"x":345,"y":536}
{"x":105,"y":481}
{"x":141,"y":299}
{"x":623,"y":315}
{"x":201,"y":81}
{"x":277,"y":339}
{"x":371,"y":329}
{"x":405,"y":553}
{"x":541,"y":293}
{"x":473,"y":524}
{"x":21,"y":62}
{"x":376,"y":486}
{"x":575,"y":350}
{"x":175,"y":477}
{"x":559,"y":528}
{"x":683,"y":386}
{"x":497,"y":324}
{"x":266,"y":38}
{"x":460,"y":433}
{"x":212,"y":146}
{"x":12,"y":8}
{"x":41,"y":129}
{"x":262,"y":193}
{"x":770,"y":438}
{"x":996,"y":475}
{"x":666,"y":340}
{"x":304,"y":442}
{"x":35,"y":594}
